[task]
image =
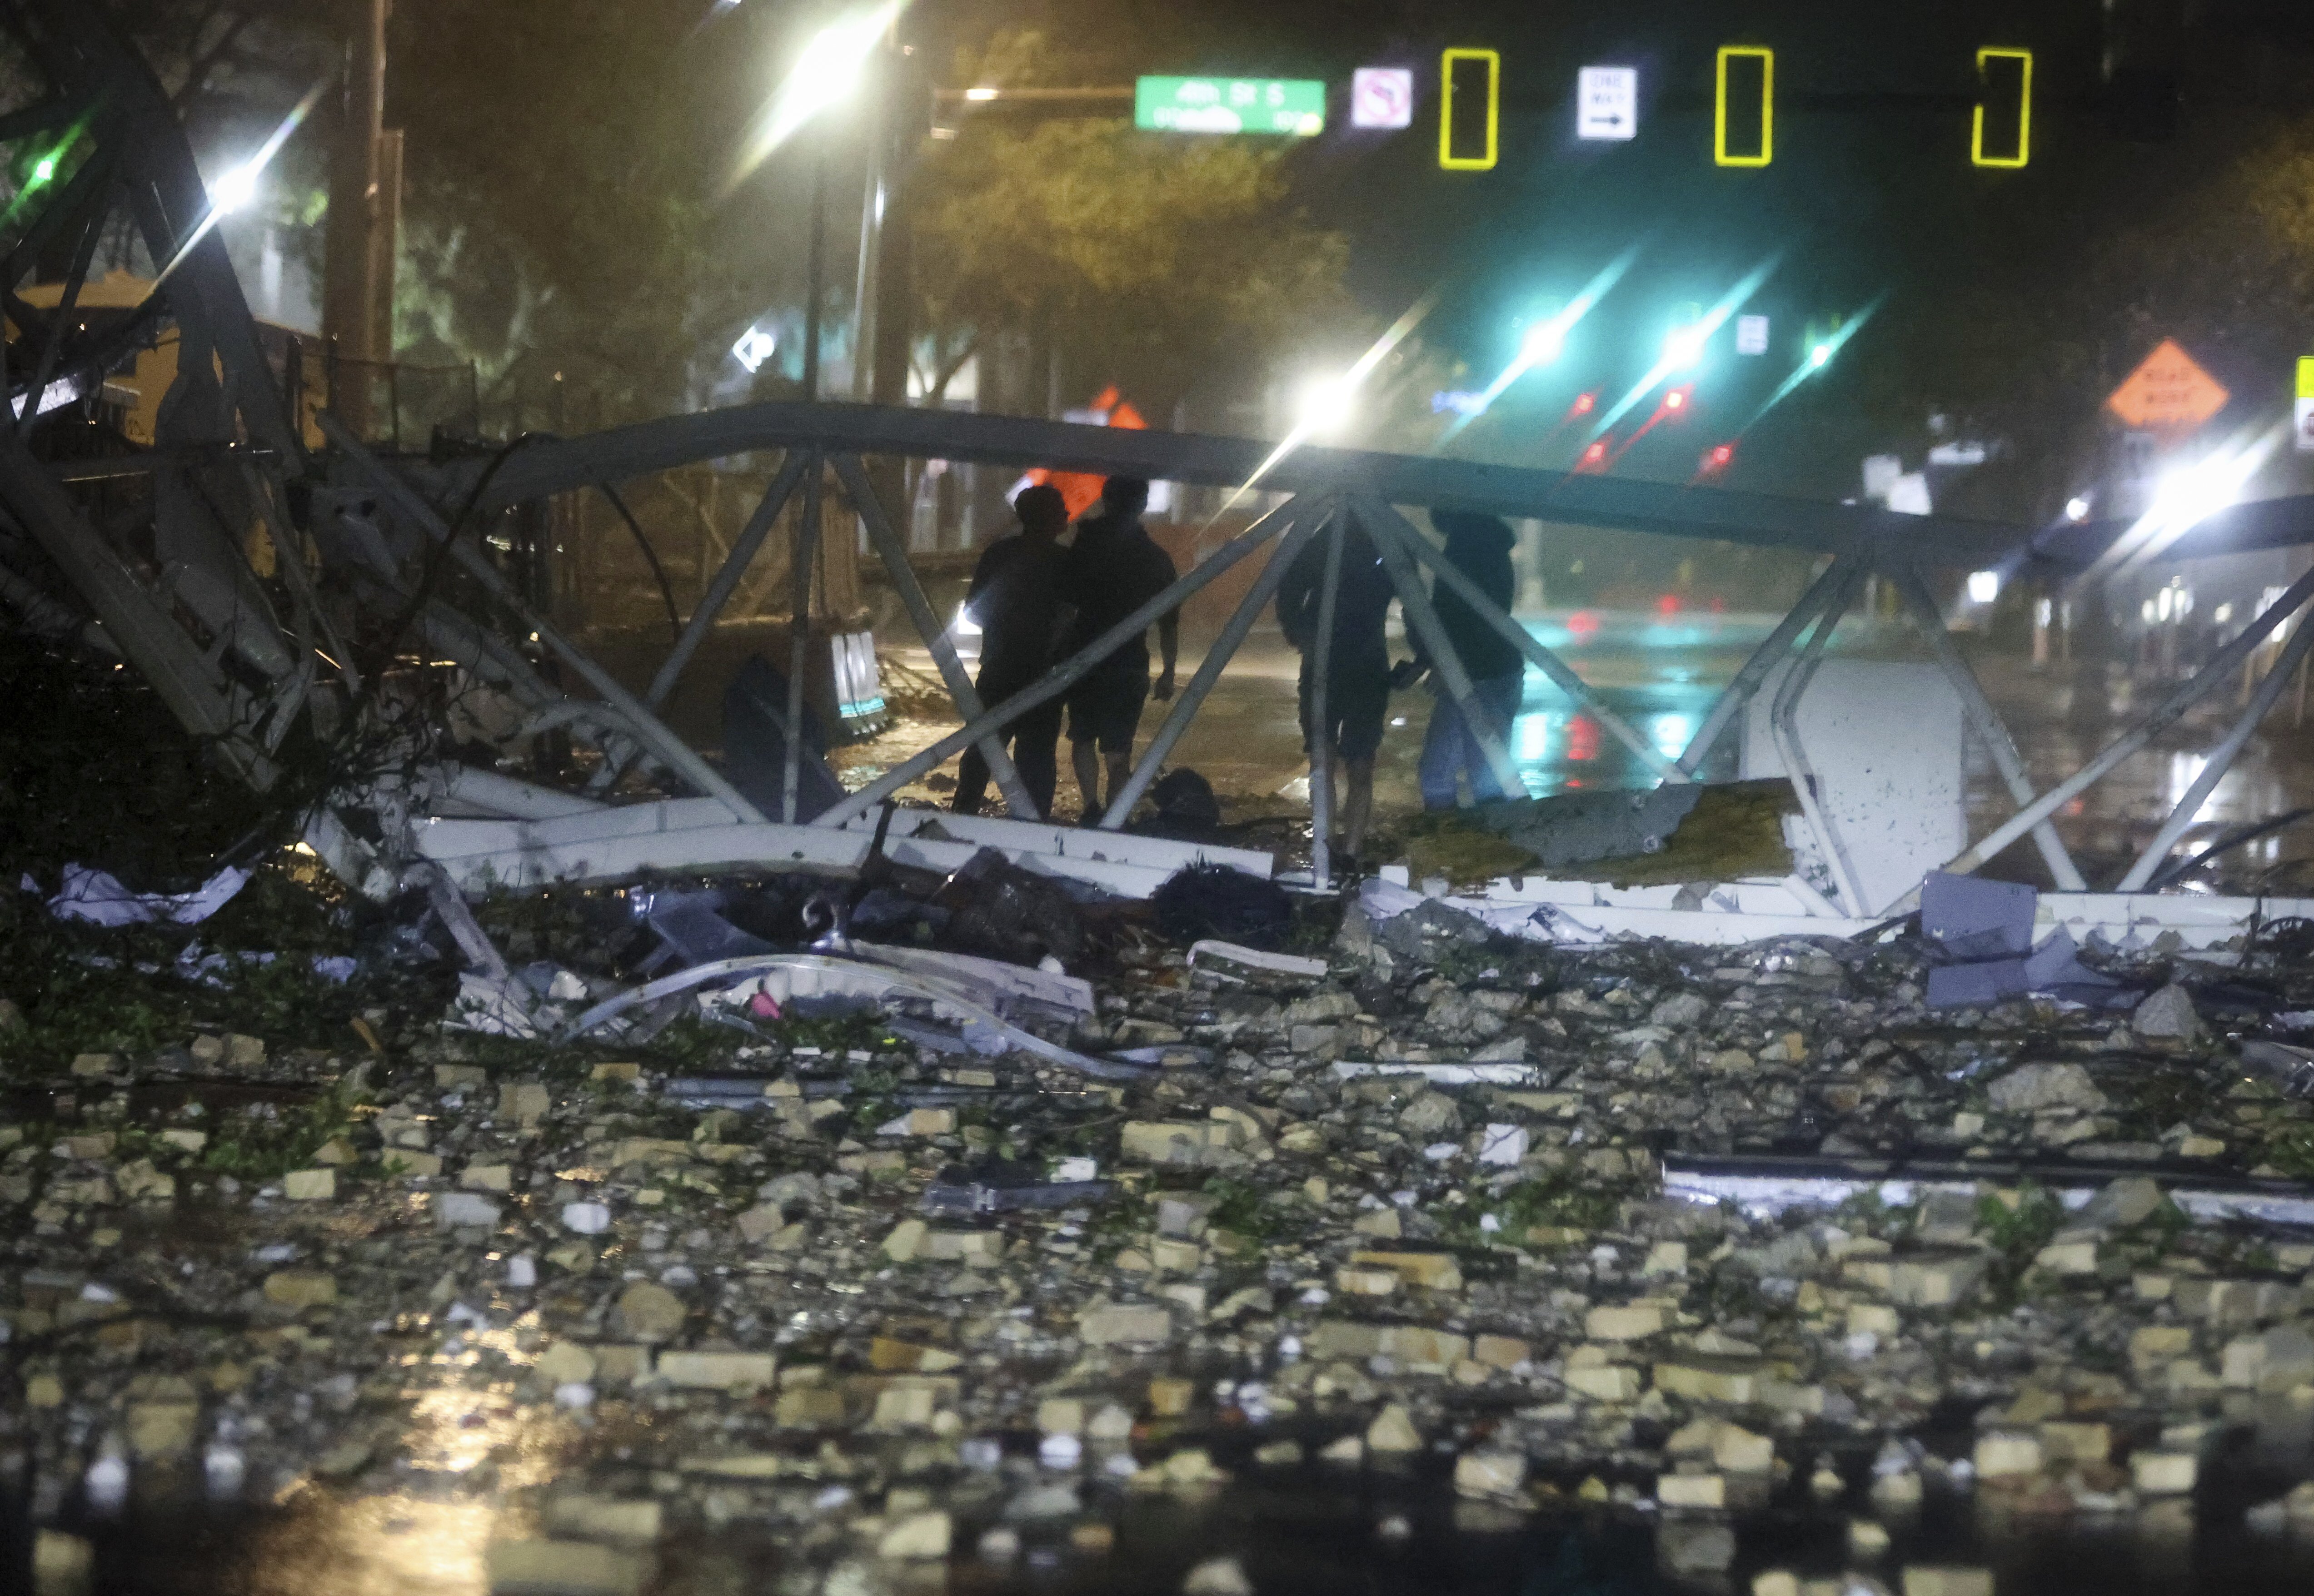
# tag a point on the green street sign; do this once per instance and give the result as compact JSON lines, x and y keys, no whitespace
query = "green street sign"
{"x":1290,"y":105}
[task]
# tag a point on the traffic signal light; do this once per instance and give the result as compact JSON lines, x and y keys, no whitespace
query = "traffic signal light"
{"x":1470,"y":109}
{"x":1743,"y":106}
{"x":1585,"y":403}
{"x":1594,"y":452}
{"x":2000,"y":128}
{"x":1675,"y":402}
{"x":1715,"y":458}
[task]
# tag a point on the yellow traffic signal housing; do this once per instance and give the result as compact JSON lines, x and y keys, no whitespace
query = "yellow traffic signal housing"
{"x":1470,"y":84}
{"x":2005,"y":102}
{"x":1746,"y":77}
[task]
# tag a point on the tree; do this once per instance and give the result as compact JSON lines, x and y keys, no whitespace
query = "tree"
{"x":1163,"y":266}
{"x":559,"y":221}
{"x":1166,"y":265}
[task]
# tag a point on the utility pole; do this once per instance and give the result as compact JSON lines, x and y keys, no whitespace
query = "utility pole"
{"x":365,"y":218}
{"x":815,"y":265}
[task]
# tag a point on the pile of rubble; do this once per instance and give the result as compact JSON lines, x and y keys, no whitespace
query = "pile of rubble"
{"x":884,"y":1293}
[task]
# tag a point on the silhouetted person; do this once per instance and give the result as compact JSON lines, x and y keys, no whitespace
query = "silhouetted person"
{"x":1479,"y":547}
{"x":1015,"y":599}
{"x":1357,"y":666}
{"x":1112,"y":569}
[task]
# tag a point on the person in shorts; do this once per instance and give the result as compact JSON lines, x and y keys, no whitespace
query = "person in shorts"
{"x":1113,"y":569}
{"x":1358,"y":666}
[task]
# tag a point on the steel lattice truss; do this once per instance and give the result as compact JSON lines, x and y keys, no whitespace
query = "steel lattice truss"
{"x":241,"y":659}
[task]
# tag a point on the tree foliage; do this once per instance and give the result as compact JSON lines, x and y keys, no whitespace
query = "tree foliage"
{"x":559,"y":212}
{"x":1164,"y":266}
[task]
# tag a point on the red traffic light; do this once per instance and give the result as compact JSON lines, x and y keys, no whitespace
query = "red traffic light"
{"x":1675,"y":403}
{"x":1592,"y":454}
{"x":1583,"y":403}
{"x":1718,"y":456}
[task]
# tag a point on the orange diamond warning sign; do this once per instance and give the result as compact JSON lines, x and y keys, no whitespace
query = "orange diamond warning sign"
{"x":2167,"y":393}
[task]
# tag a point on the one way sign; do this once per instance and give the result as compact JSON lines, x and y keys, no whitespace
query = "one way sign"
{"x":1607,"y":103}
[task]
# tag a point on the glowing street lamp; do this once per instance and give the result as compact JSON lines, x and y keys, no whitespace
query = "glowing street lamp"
{"x":235,"y":189}
{"x":1682,"y":347}
{"x":1326,"y":406}
{"x":1544,"y":342}
{"x":827,"y":72}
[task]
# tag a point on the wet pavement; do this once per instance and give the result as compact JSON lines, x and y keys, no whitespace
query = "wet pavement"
{"x":1662,"y":673}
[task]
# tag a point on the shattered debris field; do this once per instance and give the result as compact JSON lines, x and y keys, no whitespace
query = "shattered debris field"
{"x":1397,"y":1251}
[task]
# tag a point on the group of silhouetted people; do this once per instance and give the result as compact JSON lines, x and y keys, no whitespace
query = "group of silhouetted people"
{"x":1039,"y":602}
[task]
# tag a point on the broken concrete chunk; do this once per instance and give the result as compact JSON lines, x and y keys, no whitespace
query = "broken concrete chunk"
{"x":1430,"y":1270}
{"x":1634,"y":1321}
{"x":586,"y":1219}
{"x":457,"y":1210}
{"x":2034,"y":1089}
{"x":1708,"y":1492}
{"x":562,"y":1568}
{"x":2004,"y":1452}
{"x":1124,"y":1323}
{"x":1217,"y":1576}
{"x":919,"y":1537}
{"x":1935,"y":1279}
{"x":716,"y":1370}
{"x":1394,"y":1430}
{"x":2077,"y":1443}
{"x":310,"y":1185}
{"x":566,"y":1362}
{"x":1169,"y":1141}
{"x":1706,"y":1379}
{"x":1493,"y":1473}
{"x":2128,"y":1200}
{"x":650,"y":1312}
{"x":1933,"y":1580}
{"x":605,"y":1518}
{"x":524,"y":1102}
{"x":139,"y":1181}
{"x":163,"y":1429}
{"x":2168,"y":1015}
{"x":300,"y":1289}
{"x":2163,"y":1474}
{"x":1500,"y":1352}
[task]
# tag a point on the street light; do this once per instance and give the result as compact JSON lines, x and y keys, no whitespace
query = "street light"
{"x":1325,"y":406}
{"x":827,"y":73}
{"x":234,"y":189}
{"x":1545,"y":341}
